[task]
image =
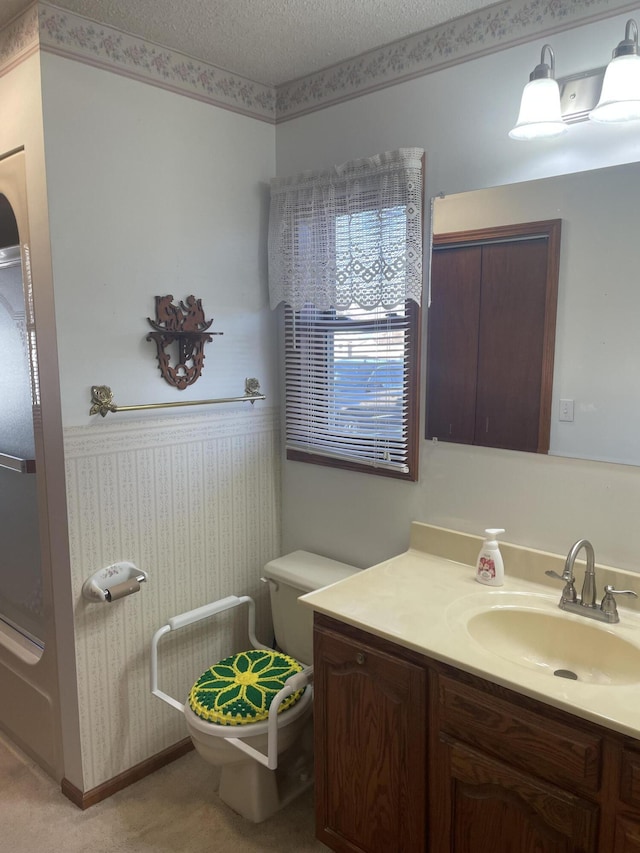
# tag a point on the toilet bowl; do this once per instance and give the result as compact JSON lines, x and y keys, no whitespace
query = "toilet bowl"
{"x":246,"y":785}
{"x":263,"y":764}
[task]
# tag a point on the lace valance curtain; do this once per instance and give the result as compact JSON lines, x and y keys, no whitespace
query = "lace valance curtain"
{"x":348,"y":235}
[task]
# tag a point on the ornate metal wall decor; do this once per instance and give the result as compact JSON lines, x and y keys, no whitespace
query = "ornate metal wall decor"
{"x":185,"y":326}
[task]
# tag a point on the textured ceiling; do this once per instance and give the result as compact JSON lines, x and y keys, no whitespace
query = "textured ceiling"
{"x":269,"y":41}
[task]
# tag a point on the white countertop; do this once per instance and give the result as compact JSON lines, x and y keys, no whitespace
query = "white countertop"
{"x":422,"y":601}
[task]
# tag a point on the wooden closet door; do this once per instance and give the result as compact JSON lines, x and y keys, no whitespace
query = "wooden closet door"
{"x":452,"y":343}
{"x":510,"y":346}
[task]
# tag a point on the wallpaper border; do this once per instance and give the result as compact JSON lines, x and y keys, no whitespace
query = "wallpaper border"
{"x":19,"y":40}
{"x":75,"y":37}
{"x":498,"y":27}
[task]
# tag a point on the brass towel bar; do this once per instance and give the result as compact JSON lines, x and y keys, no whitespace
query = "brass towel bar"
{"x":14,"y":463}
{"x":102,"y":400}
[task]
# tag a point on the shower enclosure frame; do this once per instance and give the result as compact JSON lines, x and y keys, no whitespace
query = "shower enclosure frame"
{"x":30,"y":693}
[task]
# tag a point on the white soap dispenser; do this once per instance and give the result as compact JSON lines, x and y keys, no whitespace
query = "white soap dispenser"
{"x":490,"y":568}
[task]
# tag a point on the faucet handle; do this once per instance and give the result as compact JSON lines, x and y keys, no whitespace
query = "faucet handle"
{"x":569,"y":591}
{"x":559,"y":577}
{"x":608,"y":604}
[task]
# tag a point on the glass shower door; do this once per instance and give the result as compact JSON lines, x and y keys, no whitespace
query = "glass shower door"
{"x":21,"y":604}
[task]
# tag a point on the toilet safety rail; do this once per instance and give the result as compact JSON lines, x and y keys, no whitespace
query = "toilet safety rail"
{"x":293,"y":683}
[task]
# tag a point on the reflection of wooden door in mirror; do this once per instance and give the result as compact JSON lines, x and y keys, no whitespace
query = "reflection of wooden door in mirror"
{"x":491,"y":336}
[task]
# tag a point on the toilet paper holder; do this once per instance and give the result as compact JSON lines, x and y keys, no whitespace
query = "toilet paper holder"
{"x":113,"y":582}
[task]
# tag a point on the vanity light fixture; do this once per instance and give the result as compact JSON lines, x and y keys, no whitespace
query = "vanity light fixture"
{"x":540,"y":115}
{"x":608,"y":95}
{"x":620,"y":96}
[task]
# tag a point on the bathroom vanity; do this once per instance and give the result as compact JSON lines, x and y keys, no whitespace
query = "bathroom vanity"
{"x":430,"y":737}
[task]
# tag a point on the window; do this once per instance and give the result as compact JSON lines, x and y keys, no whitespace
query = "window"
{"x":351,"y":386}
{"x":346,"y":258}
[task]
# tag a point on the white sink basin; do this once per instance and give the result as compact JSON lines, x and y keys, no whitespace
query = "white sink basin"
{"x":536,"y":635}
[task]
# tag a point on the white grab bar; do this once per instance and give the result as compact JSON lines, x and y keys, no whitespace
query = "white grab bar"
{"x":270,"y":760}
{"x":207,"y":610}
{"x":155,"y":690}
{"x":293,"y":683}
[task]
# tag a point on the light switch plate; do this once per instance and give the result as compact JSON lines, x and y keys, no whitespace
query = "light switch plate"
{"x":566,"y":410}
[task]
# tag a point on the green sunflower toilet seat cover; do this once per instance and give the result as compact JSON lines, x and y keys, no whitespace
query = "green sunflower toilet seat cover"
{"x":240,"y":688}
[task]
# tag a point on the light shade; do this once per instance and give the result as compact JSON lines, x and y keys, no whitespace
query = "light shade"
{"x":540,"y":114}
{"x":620,"y":96}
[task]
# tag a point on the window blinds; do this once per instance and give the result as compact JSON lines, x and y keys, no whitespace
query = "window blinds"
{"x":347,"y":376}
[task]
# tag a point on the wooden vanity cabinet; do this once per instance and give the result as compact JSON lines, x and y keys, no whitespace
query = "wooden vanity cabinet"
{"x":506,"y":778}
{"x":370,"y":744}
{"x":413,"y":755}
{"x":627,"y":827}
{"x":627,"y":838}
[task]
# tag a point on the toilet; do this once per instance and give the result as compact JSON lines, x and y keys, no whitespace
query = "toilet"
{"x":263,"y":765}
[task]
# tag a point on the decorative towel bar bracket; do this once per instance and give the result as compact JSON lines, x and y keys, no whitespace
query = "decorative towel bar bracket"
{"x":102,"y":400}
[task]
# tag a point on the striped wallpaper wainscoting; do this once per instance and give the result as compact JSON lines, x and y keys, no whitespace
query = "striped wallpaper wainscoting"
{"x":195,"y":502}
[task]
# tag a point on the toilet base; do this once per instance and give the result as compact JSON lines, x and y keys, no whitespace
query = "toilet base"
{"x":256,"y":793}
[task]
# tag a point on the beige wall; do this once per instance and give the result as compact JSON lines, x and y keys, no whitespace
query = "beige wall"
{"x":152,"y":193}
{"x":461,"y":117}
{"x":146,"y":193}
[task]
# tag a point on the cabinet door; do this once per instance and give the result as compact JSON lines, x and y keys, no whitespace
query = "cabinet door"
{"x":627,"y":838}
{"x":370,"y":732}
{"x":486,"y":807}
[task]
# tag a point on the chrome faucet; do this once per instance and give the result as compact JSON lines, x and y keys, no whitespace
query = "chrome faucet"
{"x":586,"y":606}
{"x":588,"y":597}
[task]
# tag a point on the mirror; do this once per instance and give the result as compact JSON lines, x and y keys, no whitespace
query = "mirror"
{"x":595,"y":409}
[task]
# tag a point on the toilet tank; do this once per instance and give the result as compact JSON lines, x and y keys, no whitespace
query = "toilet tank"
{"x":290,"y":577}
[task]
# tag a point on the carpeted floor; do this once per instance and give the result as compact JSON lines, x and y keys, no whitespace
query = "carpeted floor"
{"x":171,"y":810}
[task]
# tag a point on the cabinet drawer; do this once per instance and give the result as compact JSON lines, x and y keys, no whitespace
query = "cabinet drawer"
{"x":556,"y":752}
{"x":630,"y":778}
